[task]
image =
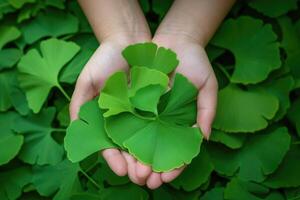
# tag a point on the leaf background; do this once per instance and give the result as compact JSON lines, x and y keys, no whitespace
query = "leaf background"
{"x":256,"y":51}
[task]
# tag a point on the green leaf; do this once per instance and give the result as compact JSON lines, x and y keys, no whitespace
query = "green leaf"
{"x":19,"y":3}
{"x":196,"y":174}
{"x":256,"y":159}
{"x":237,"y":189}
{"x":149,"y":55}
{"x":252,"y":108}
{"x":280,"y":88}
{"x":231,"y":140}
{"x":114,"y":95}
{"x":129,"y":191}
{"x":9,"y":57}
{"x":88,"y":45}
{"x":156,"y":141}
{"x":290,"y":41}
{"x":6,"y":83}
{"x":52,"y":23}
{"x":181,"y":107}
{"x":254,"y":46}
{"x":161,"y":7}
{"x":61,"y":179}
{"x":214,"y":194}
{"x":117,"y":96}
{"x":13,"y":181}
{"x":39,"y":73}
{"x":10,"y":142}
{"x":288,"y":174}
{"x":273,"y":8}
{"x":39,"y":146}
{"x":86,"y":135}
{"x":5,"y":8}
{"x":294,"y":115}
{"x":8,"y":34}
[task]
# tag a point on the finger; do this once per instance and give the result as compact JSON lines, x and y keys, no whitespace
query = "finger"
{"x":167,"y":177}
{"x":131,"y":164}
{"x":116,"y":161}
{"x":83,"y":92}
{"x":207,"y":101}
{"x":154,"y":181}
{"x":142,"y":171}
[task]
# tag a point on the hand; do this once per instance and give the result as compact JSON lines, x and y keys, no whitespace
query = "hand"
{"x":194,"y":64}
{"x":106,"y":60}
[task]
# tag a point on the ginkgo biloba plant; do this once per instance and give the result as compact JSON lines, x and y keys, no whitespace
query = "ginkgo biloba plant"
{"x":252,"y":154}
{"x":140,"y":114}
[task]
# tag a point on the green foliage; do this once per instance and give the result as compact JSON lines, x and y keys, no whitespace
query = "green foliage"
{"x":253,"y":152}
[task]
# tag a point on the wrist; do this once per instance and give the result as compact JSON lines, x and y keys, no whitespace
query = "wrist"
{"x":175,"y":40}
{"x":126,"y":38}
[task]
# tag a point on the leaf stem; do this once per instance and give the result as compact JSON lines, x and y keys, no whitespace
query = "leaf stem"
{"x":64,"y":92}
{"x":90,"y":179}
{"x":224,"y":71}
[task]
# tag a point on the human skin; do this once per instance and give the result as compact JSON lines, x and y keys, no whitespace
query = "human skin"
{"x":186,"y":29}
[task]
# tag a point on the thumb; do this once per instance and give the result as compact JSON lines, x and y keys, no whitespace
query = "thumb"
{"x":207,"y":102}
{"x":83,"y":92}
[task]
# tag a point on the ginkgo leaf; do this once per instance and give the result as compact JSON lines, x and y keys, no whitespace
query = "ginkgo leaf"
{"x":88,"y":44}
{"x":10,"y":142}
{"x":9,"y":57}
{"x":39,"y":146}
{"x":216,"y":193}
{"x":8,"y":34}
{"x":273,"y":8}
{"x":196,"y":174}
{"x":52,"y":23}
{"x":254,"y":46}
{"x":252,"y":109}
{"x":116,"y":95}
{"x":13,"y":181}
{"x":256,"y":159}
{"x":86,"y":135}
{"x":290,"y":43}
{"x":183,"y":111}
{"x":237,"y":189}
{"x":7,"y":82}
{"x":149,"y":55}
{"x":38,"y":74}
{"x":287,"y":175}
{"x":280,"y":88}
{"x":231,"y":140}
{"x":155,"y":141}
{"x":61,"y":180}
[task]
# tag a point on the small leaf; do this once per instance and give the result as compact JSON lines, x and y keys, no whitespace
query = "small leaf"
{"x":254,"y":47}
{"x":86,"y":135}
{"x":256,"y":159}
{"x":10,"y":142}
{"x":288,"y":174}
{"x":39,"y":146}
{"x":8,"y":34}
{"x":38,"y":74}
{"x":19,"y":3}
{"x":52,"y":23}
{"x":244,"y":111}
{"x":9,"y":57}
{"x":196,"y":174}
{"x":214,"y":194}
{"x":61,"y":180}
{"x":149,"y":55}
{"x":231,"y":140}
{"x":273,"y":8}
{"x":13,"y":181}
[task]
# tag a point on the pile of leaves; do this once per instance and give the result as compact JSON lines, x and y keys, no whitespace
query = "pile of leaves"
{"x":254,"y":150}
